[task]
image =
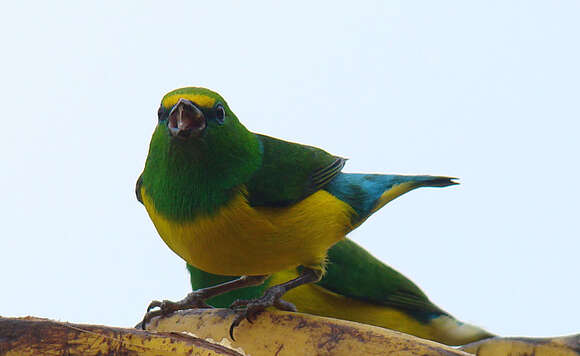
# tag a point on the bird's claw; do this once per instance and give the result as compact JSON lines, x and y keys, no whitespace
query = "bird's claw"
{"x":250,"y":314}
{"x":254,"y":307}
{"x":166,"y":307}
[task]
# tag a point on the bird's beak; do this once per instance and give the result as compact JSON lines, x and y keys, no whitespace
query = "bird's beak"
{"x":185,"y":120}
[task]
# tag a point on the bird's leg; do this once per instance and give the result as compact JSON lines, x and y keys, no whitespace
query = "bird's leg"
{"x":272,"y":297}
{"x":196,"y":299}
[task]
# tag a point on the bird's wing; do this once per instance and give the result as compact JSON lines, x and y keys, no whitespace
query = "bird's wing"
{"x":290,"y":172}
{"x":367,"y":193}
{"x":355,"y":273}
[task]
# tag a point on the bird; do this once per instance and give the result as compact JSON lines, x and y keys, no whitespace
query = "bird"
{"x":357,"y":287}
{"x":232,"y":202}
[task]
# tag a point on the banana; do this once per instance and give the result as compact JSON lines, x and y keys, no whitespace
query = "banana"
{"x":205,"y":332}
{"x":520,"y":346}
{"x":33,"y":336}
{"x":282,"y":333}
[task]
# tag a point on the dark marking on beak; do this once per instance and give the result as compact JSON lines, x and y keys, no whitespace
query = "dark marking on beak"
{"x":185,"y":120}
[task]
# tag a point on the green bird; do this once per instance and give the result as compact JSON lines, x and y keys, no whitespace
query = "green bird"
{"x":232,"y":202}
{"x":357,"y":287}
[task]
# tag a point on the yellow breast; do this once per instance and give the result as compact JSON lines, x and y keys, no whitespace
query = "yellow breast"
{"x":244,"y":240}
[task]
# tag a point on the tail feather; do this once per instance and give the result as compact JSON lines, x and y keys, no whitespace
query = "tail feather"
{"x":367,"y":193}
{"x":404,"y":184}
{"x":451,"y":331}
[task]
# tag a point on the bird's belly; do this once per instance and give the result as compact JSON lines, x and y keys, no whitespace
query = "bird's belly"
{"x":244,"y":240}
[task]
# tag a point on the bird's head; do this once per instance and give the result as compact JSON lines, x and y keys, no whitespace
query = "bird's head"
{"x":196,"y":124}
{"x":192,"y":113}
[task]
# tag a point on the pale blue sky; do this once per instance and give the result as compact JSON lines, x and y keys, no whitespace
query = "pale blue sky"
{"x":486,"y":91}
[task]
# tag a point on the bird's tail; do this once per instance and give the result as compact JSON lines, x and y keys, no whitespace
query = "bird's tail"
{"x":367,"y":193}
{"x":451,"y":331}
{"x":396,"y":185}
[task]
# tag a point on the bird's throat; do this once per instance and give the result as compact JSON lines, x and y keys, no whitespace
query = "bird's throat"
{"x":185,"y":183}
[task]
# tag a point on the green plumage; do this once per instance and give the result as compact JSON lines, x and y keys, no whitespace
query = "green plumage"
{"x":199,"y":176}
{"x":202,"y":175}
{"x":355,"y":273}
{"x":290,"y":172}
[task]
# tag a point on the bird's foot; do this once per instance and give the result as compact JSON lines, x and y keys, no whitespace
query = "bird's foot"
{"x":166,"y":307}
{"x":253,"y":307}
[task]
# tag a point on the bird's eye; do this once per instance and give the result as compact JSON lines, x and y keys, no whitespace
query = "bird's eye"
{"x":220,"y":114}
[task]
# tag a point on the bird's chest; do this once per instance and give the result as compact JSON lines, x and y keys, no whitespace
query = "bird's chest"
{"x":244,"y":240}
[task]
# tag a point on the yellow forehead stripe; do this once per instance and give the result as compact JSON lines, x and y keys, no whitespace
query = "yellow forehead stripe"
{"x":198,"y":99}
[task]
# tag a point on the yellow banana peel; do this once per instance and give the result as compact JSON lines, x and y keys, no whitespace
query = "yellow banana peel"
{"x":282,"y":333}
{"x":206,"y":332}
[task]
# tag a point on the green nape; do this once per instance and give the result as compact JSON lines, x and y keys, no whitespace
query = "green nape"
{"x":200,"y":279}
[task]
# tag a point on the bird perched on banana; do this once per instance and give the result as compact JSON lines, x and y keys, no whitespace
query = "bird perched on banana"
{"x":357,"y":287}
{"x":232,"y":202}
